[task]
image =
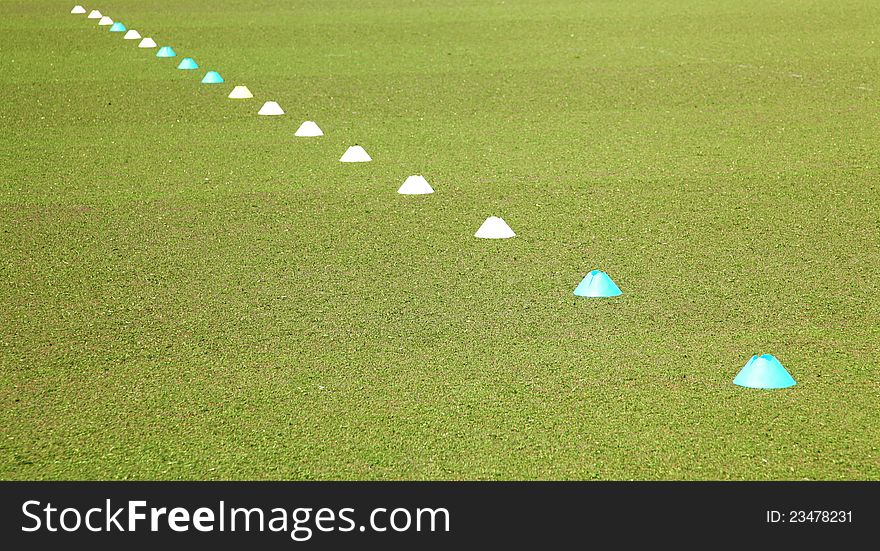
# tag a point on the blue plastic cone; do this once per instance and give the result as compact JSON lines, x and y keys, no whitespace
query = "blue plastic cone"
{"x":212,"y":77}
{"x":764,"y":371}
{"x":165,"y":51}
{"x":597,"y":284}
{"x":117,"y":27}
{"x":188,"y":63}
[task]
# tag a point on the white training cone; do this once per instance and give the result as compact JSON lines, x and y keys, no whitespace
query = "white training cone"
{"x":240,"y":92}
{"x":270,"y":108}
{"x":147,"y":43}
{"x":415,"y":185}
{"x":132,"y":35}
{"x":78,"y":10}
{"x":105,"y":21}
{"x":308,"y":129}
{"x":355,"y":154}
{"x":94,"y":14}
{"x":494,"y":228}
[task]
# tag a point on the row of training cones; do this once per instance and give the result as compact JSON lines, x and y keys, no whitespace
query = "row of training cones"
{"x":211,"y":77}
{"x":493,"y":228}
{"x":115,"y":27}
{"x":596,"y":284}
{"x":762,"y":371}
{"x":307,"y":129}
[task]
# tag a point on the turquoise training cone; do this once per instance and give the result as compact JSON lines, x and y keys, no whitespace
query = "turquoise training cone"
{"x":117,"y":27}
{"x":212,"y":77}
{"x":188,"y":63}
{"x":166,"y":51}
{"x":597,"y":284}
{"x":764,"y":371}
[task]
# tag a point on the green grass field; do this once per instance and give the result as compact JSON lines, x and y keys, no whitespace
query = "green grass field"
{"x":190,"y":292}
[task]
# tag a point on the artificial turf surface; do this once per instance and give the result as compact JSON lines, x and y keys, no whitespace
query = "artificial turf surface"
{"x":190,"y":292}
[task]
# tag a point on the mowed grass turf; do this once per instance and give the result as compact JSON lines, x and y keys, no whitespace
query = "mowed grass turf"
{"x":190,"y":292}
